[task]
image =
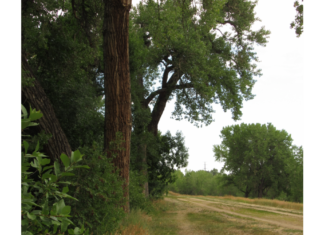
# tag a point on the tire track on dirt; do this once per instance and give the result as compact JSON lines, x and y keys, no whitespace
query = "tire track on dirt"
{"x":250,"y":207}
{"x":245,"y":216}
{"x":184,"y":225}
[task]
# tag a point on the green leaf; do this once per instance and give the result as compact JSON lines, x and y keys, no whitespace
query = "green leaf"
{"x":54,"y":229}
{"x":67,"y":196}
{"x":53,"y":178}
{"x":45,"y":210}
{"x":66,"y":210}
{"x":76,"y":156}
{"x":65,"y":159}
{"x":45,"y":161}
{"x":65,"y":189}
{"x":64,"y":182}
{"x":47,"y":167}
{"x":26,"y":233}
{"x":56,"y":222}
{"x":57,"y":168}
{"x":24,"y":169}
{"x":45,"y":176}
{"x":24,"y":124}
{"x":29,"y":202}
{"x":54,"y":218}
{"x":26,"y":146}
{"x":71,"y":231}
{"x":59,"y":206}
{"x":67,"y":174}
{"x":24,"y":222}
{"x":64,"y":225}
{"x":25,"y":114}
{"x":31,"y":216}
{"x":83,"y":166}
{"x":34,"y":115}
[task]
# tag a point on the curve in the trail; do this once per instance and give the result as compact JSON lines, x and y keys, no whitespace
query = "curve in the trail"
{"x":246,"y":216}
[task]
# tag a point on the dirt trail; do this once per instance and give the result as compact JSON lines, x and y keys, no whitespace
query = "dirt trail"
{"x":257,"y":207}
{"x":278,"y":223}
{"x":184,"y":225}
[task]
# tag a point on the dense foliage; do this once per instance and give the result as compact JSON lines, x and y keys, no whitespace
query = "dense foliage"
{"x":203,"y":183}
{"x":43,"y":207}
{"x":186,"y":53}
{"x":260,"y":159}
{"x":177,"y":49}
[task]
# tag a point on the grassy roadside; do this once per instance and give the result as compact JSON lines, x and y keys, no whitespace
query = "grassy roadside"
{"x":171,"y":216}
{"x":159,"y":220}
{"x":215,"y":223}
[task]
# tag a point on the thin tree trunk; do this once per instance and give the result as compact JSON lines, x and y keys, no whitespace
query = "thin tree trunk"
{"x":36,"y":97}
{"x":117,"y":84}
{"x":144,"y":171}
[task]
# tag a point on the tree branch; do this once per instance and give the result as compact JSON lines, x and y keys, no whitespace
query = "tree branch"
{"x":165,"y":76}
{"x":157,"y":92}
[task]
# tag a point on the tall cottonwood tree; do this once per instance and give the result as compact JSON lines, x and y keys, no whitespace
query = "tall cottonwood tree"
{"x":35,"y":15}
{"x":117,"y":84}
{"x":62,"y":53}
{"x":201,"y":61}
{"x":35,"y":96}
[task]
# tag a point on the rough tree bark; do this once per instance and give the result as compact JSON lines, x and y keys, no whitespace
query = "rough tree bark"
{"x":35,"y":96}
{"x":117,"y":84}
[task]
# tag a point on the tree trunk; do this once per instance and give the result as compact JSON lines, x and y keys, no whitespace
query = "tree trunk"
{"x":162,"y":101}
{"x":117,"y":84}
{"x":144,"y":171}
{"x":35,"y":96}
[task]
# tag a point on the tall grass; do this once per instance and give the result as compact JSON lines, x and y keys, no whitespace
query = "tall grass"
{"x":151,"y":221}
{"x":135,"y":223}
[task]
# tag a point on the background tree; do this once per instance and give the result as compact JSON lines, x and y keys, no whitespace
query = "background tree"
{"x":201,"y":63}
{"x":295,"y":192}
{"x":202,"y":183}
{"x":117,"y":84}
{"x":165,"y":156}
{"x":256,"y":157}
{"x":298,"y":24}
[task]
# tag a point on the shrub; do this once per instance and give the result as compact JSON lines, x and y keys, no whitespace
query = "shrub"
{"x":99,"y":191}
{"x":43,"y":207}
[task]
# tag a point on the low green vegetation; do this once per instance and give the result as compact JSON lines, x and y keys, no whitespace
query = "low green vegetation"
{"x":159,"y":217}
{"x":215,"y":223}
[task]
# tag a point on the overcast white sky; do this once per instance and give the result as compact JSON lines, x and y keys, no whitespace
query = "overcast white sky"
{"x":279,"y":92}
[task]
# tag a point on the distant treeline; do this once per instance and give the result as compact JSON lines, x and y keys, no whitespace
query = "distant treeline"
{"x":203,"y":183}
{"x":214,"y":183}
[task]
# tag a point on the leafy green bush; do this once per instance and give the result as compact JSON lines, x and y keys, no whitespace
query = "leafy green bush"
{"x":43,"y":208}
{"x":99,"y":191}
{"x":137,"y":200}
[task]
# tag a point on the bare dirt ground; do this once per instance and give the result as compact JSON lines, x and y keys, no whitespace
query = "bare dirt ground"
{"x":271,"y":219}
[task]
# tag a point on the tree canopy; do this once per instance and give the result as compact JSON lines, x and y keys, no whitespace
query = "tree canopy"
{"x":200,"y":53}
{"x":298,"y":23}
{"x":256,"y":157}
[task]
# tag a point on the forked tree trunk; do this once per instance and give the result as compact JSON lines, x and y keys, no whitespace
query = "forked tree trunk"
{"x":117,"y":84}
{"x":35,"y":96}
